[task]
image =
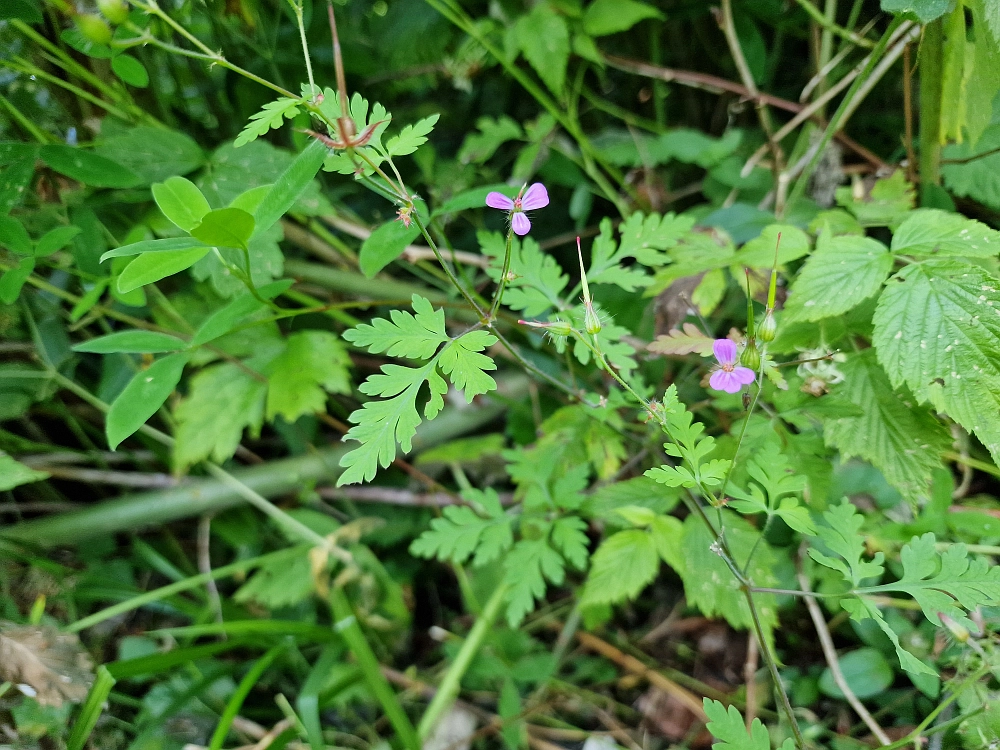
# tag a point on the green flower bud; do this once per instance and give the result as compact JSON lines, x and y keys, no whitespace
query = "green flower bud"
{"x":767,"y":328}
{"x":94,"y":29}
{"x":115,"y":11}
{"x":751,"y":357}
{"x":591,"y":323}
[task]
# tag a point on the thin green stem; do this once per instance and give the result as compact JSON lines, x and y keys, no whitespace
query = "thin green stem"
{"x":448,"y":689}
{"x":772,"y":667}
{"x":297,"y":6}
{"x":33,"y":130}
{"x":831,"y":27}
{"x":454,"y":13}
{"x":347,"y":625}
{"x":931,"y":77}
{"x":448,"y":270}
{"x":179,"y":587}
{"x":503,"y":278}
{"x":846,"y":105}
{"x":20,"y":65}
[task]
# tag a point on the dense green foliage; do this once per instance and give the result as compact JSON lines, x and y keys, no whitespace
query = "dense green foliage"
{"x":510,"y":373}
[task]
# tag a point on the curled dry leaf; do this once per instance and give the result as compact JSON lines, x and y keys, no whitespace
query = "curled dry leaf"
{"x":51,"y":664}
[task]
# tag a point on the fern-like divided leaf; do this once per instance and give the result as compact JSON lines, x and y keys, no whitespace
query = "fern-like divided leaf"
{"x":270,"y":117}
{"x":730,"y":732}
{"x":380,"y":424}
{"x":483,"y":533}
{"x":842,"y":537}
{"x":948,"y":583}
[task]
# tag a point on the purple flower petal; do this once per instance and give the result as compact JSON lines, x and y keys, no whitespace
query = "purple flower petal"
{"x":725,"y":351}
{"x":520,"y":223}
{"x":499,"y":200}
{"x":743,"y":374}
{"x":724,"y":381}
{"x":536,"y":197}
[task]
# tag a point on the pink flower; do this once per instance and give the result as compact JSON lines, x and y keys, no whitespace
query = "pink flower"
{"x":730,"y":376}
{"x":535,"y":197}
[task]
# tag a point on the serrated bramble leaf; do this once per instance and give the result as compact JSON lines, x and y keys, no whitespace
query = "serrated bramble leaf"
{"x":222,"y":400}
{"x":413,"y":336}
{"x":841,"y":535}
{"x":688,"y":340}
{"x":411,"y":137}
{"x":621,"y":568}
{"x":728,"y":727}
{"x":937,"y":329}
{"x":843,"y":271}
{"x":528,"y":565}
{"x":272,"y":115}
{"x":313,"y":364}
{"x":760,"y":252}
{"x":543,"y":36}
{"x":903,"y":440}
{"x":710,"y":585}
{"x":930,"y":231}
{"x":886,"y":205}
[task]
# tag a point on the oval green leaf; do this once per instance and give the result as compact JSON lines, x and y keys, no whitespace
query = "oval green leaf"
{"x":170,"y":244}
{"x":132,"y":342}
{"x":88,"y":168}
{"x":12,"y":281}
{"x":866,"y":671}
{"x":385,"y":245}
{"x":151,"y":267}
{"x":55,"y":240}
{"x":222,"y":321}
{"x":141,"y":398}
{"x":130,"y":70}
{"x":14,"y":236}
{"x":225,"y":227}
{"x":290,"y":185}
{"x":181,"y":202}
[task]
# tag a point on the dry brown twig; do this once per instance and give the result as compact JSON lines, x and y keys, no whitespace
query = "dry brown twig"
{"x":830,"y":654}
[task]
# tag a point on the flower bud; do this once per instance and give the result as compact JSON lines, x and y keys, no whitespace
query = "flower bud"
{"x":767,"y":328}
{"x":591,"y":322}
{"x":751,"y":357}
{"x":555,"y":327}
{"x":115,"y":11}
{"x":94,"y":29}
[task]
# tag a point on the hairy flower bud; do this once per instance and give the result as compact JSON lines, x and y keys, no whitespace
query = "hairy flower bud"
{"x":591,"y":321}
{"x":751,"y":356}
{"x":767,"y":328}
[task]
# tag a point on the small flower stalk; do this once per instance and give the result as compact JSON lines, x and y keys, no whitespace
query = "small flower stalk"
{"x":591,"y":321}
{"x":553,"y":327}
{"x":533,"y":198}
{"x":729,"y":375}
